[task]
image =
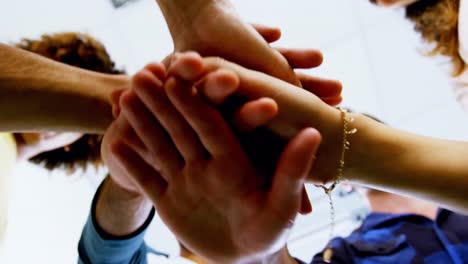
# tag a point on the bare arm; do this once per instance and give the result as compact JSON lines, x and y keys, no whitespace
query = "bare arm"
{"x":120,"y":212}
{"x":38,"y":94}
{"x":414,"y":165}
{"x":212,"y":28}
{"x":380,"y":156}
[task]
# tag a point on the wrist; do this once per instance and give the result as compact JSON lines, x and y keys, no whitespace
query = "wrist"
{"x":121,"y":193}
{"x":120,"y":212}
{"x":182,"y":15}
{"x":110,"y":83}
{"x":86,"y":90}
{"x":369,"y":147}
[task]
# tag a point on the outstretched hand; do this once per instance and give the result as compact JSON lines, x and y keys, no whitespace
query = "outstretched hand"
{"x":182,"y":155}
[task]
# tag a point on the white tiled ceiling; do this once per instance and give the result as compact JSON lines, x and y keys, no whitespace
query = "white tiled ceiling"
{"x":373,"y":51}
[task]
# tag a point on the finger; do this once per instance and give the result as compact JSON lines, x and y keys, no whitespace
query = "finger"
{"x":218,"y":85}
{"x":211,"y":128}
{"x":333,"y":101}
{"x":123,"y":129}
{"x":188,"y":66}
{"x":319,"y":86}
{"x":115,"y":99}
{"x":158,"y":69}
{"x":295,"y":162}
{"x":269,"y":34}
{"x":144,"y":176}
{"x":162,"y":155}
{"x":302,"y":58}
{"x":306,"y":205}
{"x":255,"y":114}
{"x":151,"y":92}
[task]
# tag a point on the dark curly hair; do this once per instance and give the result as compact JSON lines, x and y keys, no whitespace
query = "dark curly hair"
{"x":437,"y":22}
{"x":83,"y":51}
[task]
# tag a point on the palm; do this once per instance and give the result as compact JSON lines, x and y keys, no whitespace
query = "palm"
{"x":185,"y":158}
{"x":196,"y":211}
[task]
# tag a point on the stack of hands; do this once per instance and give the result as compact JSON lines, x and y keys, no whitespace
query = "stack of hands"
{"x":221,"y":155}
{"x":171,"y":145}
{"x":222,"y":136}
{"x":222,"y":149}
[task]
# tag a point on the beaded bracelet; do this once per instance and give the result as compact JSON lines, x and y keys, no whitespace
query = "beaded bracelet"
{"x":328,"y":253}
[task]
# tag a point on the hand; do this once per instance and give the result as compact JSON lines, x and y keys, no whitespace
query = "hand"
{"x":120,"y":128}
{"x":258,"y":113}
{"x":189,"y":163}
{"x":212,"y":28}
{"x":296,"y":109}
{"x":115,"y":171}
{"x":326,"y":89}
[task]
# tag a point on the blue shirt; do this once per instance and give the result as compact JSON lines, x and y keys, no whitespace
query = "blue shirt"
{"x":382,"y":238}
{"x":98,"y":247}
{"x":404,"y":238}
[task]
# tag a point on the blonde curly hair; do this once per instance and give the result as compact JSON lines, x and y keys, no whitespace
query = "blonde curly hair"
{"x":437,"y":22}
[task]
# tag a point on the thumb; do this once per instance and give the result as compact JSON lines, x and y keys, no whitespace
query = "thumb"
{"x":294,"y":165}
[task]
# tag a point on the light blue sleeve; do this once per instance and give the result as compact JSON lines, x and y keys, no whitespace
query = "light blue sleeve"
{"x":97,"y":247}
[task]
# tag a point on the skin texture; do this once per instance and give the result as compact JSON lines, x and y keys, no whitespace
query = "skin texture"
{"x":193,"y":169}
{"x":389,"y":203}
{"x":59,"y":102}
{"x":119,"y":212}
{"x":174,"y":148}
{"x":254,"y":85}
{"x":327,"y":90}
{"x":208,"y":26}
{"x":380,"y":156}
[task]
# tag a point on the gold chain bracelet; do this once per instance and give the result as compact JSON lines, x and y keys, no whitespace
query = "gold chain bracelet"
{"x":328,"y":253}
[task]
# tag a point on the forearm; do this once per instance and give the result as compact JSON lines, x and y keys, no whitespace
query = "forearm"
{"x":213,"y":28}
{"x":115,"y":229}
{"x":180,"y":14}
{"x":38,"y":94}
{"x":120,"y":212}
{"x":387,"y":158}
{"x":380,"y":156}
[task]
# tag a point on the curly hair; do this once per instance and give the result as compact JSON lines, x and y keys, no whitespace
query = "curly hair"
{"x":437,"y":22}
{"x":83,"y":51}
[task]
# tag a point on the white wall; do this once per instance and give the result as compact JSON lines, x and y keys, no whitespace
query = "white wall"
{"x":372,"y":51}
